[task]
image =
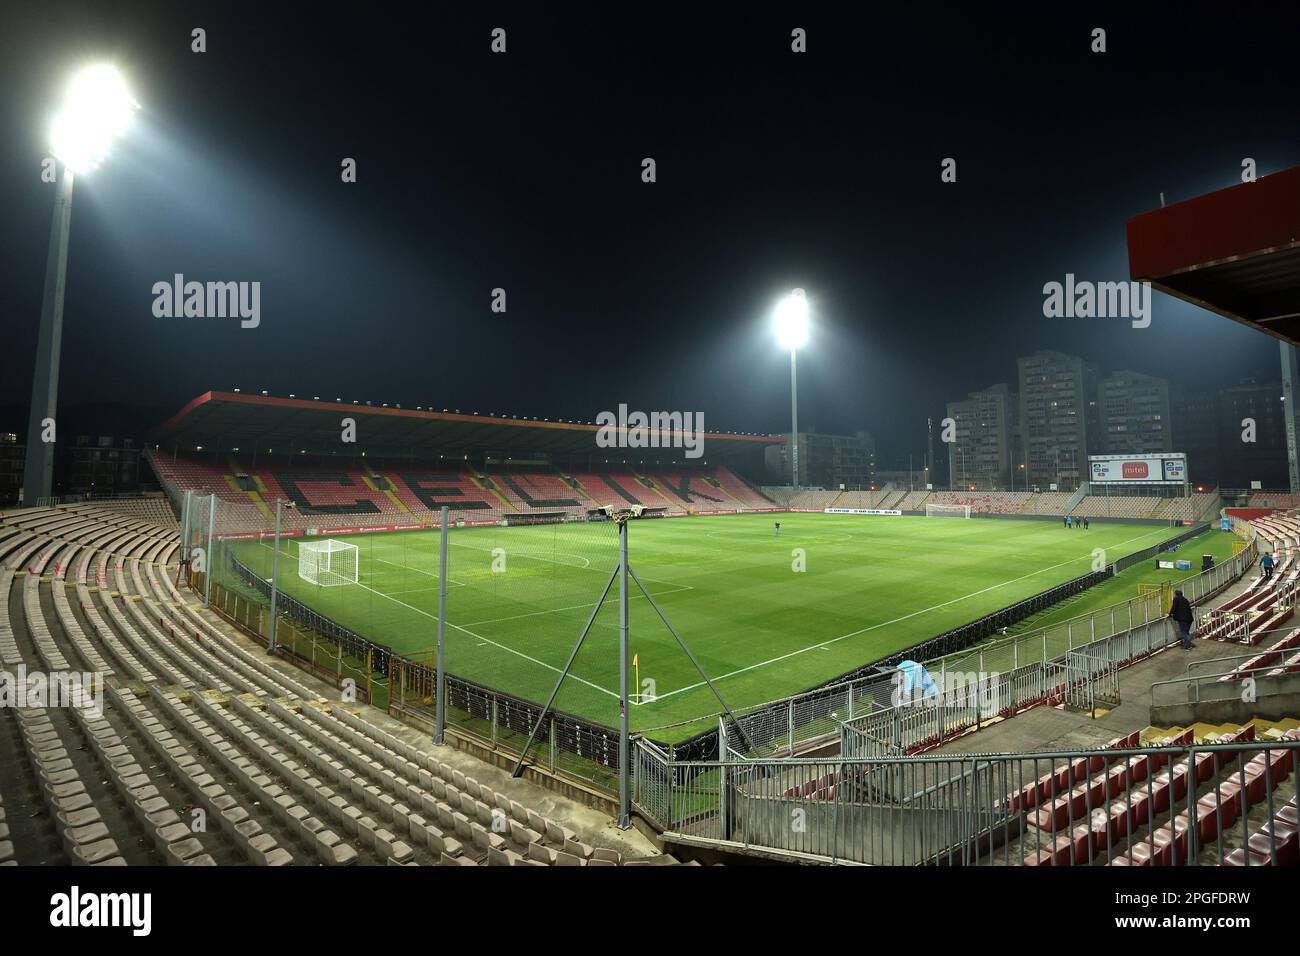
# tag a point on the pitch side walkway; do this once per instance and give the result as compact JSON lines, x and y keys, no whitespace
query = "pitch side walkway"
{"x":1050,"y":729}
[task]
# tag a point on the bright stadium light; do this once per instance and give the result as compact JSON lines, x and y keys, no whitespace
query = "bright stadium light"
{"x":791,"y":323}
{"x":96,"y":111}
{"x":792,"y":320}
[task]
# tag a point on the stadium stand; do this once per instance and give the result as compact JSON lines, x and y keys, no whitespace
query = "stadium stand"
{"x":191,"y":715}
{"x":1047,"y":503}
{"x":1108,"y":506}
{"x":1279,"y":500}
{"x":993,"y":502}
{"x":1263,"y":606}
{"x":411,"y":493}
{"x":1106,"y":808}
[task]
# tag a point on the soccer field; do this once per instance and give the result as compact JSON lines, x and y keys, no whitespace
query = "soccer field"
{"x":761,"y":629}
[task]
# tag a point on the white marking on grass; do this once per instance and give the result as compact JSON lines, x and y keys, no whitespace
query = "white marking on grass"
{"x":574,"y":607}
{"x":510,"y":650}
{"x":835,"y":640}
{"x":406,"y":567}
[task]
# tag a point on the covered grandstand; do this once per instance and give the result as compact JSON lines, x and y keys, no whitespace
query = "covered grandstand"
{"x":407,"y":464}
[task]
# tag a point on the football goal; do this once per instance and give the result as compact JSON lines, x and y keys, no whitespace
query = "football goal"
{"x":328,"y":563}
{"x":947,"y":511}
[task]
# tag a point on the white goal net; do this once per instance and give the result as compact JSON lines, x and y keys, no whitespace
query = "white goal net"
{"x":328,"y":563}
{"x":947,"y":511}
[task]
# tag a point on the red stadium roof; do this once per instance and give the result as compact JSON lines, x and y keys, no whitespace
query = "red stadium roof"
{"x":230,"y":420}
{"x":1235,"y":252}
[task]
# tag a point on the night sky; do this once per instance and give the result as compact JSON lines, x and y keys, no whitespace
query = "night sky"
{"x":523,"y":171}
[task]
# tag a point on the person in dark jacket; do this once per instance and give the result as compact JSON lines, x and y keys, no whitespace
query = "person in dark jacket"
{"x":1180,"y":612}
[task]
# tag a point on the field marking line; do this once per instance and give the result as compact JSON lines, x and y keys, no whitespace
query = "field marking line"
{"x":571,"y":607}
{"x":407,"y":567}
{"x":480,"y":637}
{"x":586,"y":565}
{"x":511,"y":650}
{"x":864,"y":630}
{"x":533,"y":557}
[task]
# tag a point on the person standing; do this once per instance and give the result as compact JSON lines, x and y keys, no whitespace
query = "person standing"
{"x":1266,"y":563}
{"x":1180,"y":612}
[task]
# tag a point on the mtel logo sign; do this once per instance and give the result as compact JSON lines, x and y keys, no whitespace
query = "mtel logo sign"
{"x":1136,"y":469}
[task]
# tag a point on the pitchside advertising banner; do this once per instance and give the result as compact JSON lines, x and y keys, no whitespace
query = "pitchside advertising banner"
{"x":1168,"y":469}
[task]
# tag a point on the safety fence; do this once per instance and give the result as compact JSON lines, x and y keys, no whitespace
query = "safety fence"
{"x":1118,"y":634}
{"x":406,"y":684}
{"x":1181,"y":804}
{"x":1260,"y":680}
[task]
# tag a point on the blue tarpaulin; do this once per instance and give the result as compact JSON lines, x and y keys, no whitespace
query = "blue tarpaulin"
{"x":915,"y":681}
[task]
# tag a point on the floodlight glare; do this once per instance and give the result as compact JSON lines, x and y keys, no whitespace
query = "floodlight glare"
{"x":96,"y":110}
{"x":792,"y":320}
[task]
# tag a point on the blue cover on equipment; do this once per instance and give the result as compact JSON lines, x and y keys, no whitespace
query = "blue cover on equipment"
{"x":915,"y":682}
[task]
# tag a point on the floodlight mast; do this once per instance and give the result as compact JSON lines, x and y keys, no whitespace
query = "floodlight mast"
{"x":96,"y":111}
{"x":792,"y":332}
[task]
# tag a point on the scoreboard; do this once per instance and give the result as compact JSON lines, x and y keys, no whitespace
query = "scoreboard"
{"x":1168,"y":468}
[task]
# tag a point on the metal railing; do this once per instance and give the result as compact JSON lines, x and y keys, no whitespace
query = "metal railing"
{"x":1120,"y":634}
{"x":1184,"y":804}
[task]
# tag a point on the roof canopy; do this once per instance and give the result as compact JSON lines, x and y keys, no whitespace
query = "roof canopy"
{"x":1235,"y":252}
{"x":229,"y":420}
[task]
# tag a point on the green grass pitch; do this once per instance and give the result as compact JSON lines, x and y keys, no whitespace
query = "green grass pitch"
{"x":761,"y":629}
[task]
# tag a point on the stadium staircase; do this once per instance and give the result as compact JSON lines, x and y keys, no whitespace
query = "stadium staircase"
{"x":196,"y":717}
{"x":484,"y":483}
{"x":743,"y":490}
{"x":720,"y":489}
{"x":1260,"y":610}
{"x":388,"y":492}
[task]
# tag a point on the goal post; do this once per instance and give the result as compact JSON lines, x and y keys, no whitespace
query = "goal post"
{"x":328,"y":563}
{"x":947,"y":511}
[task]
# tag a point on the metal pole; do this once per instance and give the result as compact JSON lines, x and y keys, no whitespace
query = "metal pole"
{"x":546,"y":709}
{"x":794,"y":423}
{"x":185,"y":526}
{"x":207,"y":555}
{"x":624,"y":796}
{"x":440,"y":715}
{"x":38,"y":472}
{"x":275,"y":582}
{"x":1288,"y":398}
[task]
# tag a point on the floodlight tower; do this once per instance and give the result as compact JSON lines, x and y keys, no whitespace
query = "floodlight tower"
{"x":96,"y":111}
{"x":791,"y":322}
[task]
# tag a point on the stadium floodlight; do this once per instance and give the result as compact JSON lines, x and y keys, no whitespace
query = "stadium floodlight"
{"x":95,"y":112}
{"x":792,"y":320}
{"x":791,"y":323}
